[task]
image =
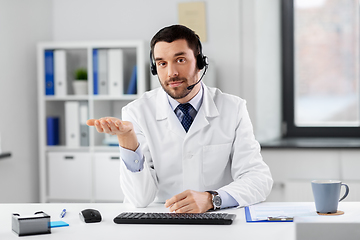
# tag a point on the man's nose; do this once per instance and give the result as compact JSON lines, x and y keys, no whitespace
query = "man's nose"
{"x":172,"y":71}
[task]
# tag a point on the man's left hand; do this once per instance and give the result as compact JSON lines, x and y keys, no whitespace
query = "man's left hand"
{"x":190,"y":201}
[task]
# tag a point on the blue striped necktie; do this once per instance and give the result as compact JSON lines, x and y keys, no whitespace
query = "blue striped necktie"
{"x":187,"y":119}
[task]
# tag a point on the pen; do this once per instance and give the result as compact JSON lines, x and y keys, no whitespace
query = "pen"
{"x":63,"y":212}
{"x":281,"y":218}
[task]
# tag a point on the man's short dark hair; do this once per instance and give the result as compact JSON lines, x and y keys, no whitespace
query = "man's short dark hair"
{"x":176,"y":32}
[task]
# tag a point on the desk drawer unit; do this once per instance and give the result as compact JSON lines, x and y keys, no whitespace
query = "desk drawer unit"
{"x":107,"y":177}
{"x":69,"y":176}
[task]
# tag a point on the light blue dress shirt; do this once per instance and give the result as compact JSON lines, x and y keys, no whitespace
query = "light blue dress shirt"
{"x":134,"y":161}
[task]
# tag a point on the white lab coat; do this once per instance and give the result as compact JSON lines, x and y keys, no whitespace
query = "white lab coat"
{"x":218,"y":152}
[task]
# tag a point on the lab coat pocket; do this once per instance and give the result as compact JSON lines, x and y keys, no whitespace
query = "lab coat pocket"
{"x":215,"y":160}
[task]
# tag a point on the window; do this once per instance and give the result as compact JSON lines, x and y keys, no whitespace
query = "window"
{"x":320,"y":43}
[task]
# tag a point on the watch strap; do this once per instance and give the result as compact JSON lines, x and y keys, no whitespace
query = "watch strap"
{"x":213,"y":192}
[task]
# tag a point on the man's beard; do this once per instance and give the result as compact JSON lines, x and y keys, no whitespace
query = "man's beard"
{"x":181,"y":91}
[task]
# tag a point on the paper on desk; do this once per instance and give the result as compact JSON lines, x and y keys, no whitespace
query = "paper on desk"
{"x":55,"y":224}
{"x":264,"y":210}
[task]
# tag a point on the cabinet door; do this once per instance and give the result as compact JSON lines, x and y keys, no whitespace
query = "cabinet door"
{"x":107,"y":177}
{"x":69,"y":176}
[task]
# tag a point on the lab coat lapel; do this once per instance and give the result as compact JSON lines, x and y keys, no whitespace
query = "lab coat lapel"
{"x":207,"y":110}
{"x":164,"y":112}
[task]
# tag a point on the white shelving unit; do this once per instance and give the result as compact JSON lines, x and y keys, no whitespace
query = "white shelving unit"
{"x":86,"y":173}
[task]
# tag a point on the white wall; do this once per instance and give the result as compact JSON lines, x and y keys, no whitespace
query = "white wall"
{"x":22,"y":24}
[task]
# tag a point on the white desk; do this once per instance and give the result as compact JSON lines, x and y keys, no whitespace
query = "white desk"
{"x":107,"y":229}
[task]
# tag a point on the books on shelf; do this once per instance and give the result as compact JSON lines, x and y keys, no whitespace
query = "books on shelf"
{"x":102,"y":72}
{"x":72,"y":126}
{"x":84,"y":129}
{"x":60,"y":73}
{"x":108,"y":72}
{"x":115,"y":71}
{"x":132,"y":88}
{"x":55,"y":72}
{"x":49,"y":72}
{"x":76,"y":130}
{"x":110,"y":140}
{"x":95,"y":71}
{"x":52,"y":131}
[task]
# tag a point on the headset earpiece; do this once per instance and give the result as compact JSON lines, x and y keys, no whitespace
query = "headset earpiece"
{"x":152,"y":65}
{"x":201,"y":61}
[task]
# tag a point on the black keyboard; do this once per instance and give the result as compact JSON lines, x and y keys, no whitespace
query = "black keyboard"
{"x":174,"y":218}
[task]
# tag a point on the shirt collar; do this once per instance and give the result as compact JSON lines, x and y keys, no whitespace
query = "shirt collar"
{"x":195,"y":101}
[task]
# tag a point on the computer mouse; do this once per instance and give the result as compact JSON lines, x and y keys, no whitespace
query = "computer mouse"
{"x":90,"y":215}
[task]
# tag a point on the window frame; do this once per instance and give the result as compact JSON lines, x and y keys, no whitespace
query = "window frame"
{"x":288,"y":93}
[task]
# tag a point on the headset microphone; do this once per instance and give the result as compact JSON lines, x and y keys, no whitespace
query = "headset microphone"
{"x":192,"y":86}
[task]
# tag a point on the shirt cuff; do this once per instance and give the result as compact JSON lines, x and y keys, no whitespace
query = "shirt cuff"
{"x":227,"y":200}
{"x":134,"y":161}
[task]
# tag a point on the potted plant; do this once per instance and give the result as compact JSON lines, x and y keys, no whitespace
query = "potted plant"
{"x":80,"y":83}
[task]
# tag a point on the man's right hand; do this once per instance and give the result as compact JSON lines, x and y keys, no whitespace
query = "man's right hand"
{"x":110,"y":125}
{"x":114,"y":126}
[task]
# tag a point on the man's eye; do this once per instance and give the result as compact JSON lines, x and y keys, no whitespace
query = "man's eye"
{"x":181,"y":60}
{"x":161,"y":64}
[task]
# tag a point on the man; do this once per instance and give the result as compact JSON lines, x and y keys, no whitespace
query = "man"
{"x":193,"y":157}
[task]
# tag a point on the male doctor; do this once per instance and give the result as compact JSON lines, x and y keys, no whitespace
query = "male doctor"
{"x":186,"y":144}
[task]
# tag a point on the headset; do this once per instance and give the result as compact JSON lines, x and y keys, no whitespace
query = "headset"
{"x":201,"y":62}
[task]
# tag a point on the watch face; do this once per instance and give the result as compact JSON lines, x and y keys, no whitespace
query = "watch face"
{"x":217,"y":201}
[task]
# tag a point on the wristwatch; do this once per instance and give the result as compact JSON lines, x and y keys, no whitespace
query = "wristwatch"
{"x":216,"y":199}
